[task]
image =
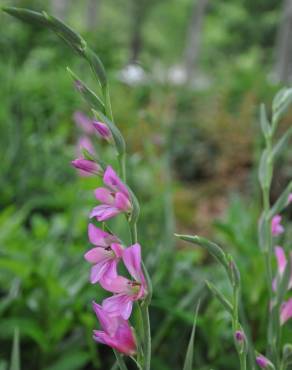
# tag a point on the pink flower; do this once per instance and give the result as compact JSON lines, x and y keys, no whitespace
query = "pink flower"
{"x":105,"y":256}
{"x":102,"y":129}
{"x":289,"y":198}
{"x":84,"y":123}
{"x":116,"y":332}
{"x":276,"y":226}
{"x":262,"y":361}
{"x":115,"y":198}
{"x":88,"y":166}
{"x":281,"y":262}
{"x":286,"y":311}
{"x":128,"y":291}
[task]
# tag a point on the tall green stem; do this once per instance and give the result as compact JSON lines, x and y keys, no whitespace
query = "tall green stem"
{"x":147,"y":336}
{"x":120,"y":360}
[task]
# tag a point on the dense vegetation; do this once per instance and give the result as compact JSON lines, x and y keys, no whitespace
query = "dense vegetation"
{"x":194,"y":148}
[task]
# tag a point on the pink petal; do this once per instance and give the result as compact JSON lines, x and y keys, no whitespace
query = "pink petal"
{"x":118,"y":305}
{"x":104,"y":196}
{"x":87,"y":166}
{"x":286,"y":311}
{"x":84,"y":122}
{"x":115,"y":284}
{"x":112,"y":180}
{"x":99,"y":237}
{"x":289,"y":198}
{"x":104,"y":212}
{"x":117,"y":249}
{"x":102,"y":129}
{"x":122,"y":202}
{"x":276,"y":226}
{"x":86,"y":143}
{"x":109,"y":324}
{"x":281,"y":259}
{"x":132,"y":260}
{"x":98,"y":271}
{"x":98,"y":254}
{"x":125,"y":344}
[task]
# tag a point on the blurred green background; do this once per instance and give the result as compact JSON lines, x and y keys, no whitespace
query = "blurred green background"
{"x":187,"y":77}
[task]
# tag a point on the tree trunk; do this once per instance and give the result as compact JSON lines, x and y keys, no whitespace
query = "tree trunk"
{"x":194,"y":36}
{"x":283,"y":67}
{"x":93,"y":14}
{"x":139,"y":10}
{"x":60,"y":8}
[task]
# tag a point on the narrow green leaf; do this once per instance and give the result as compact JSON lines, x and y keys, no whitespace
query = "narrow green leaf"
{"x":88,"y":95}
{"x":211,"y":247}
{"x":120,"y":360}
{"x":188,"y":364}
{"x":66,"y":33}
{"x":96,"y":66}
{"x":27,"y":15}
{"x":218,"y":295}
{"x":265,"y":125}
{"x":118,"y":137}
{"x":282,"y":143}
{"x":15,"y":355}
{"x":281,"y":202}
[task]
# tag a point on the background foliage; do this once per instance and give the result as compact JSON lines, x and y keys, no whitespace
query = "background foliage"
{"x":194,"y":148}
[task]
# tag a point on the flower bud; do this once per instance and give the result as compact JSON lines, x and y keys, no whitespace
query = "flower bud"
{"x":239,"y":336}
{"x":264,"y":363}
{"x":102,"y":130}
{"x":87,"y":166}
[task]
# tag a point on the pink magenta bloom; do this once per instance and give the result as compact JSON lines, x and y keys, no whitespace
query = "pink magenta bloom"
{"x":105,"y":256}
{"x":116,"y":332}
{"x":290,"y":198}
{"x":128,"y":291}
{"x":262,"y":361}
{"x":88,"y":166}
{"x":286,"y":311}
{"x":281,"y":262}
{"x":239,"y":336}
{"x":114,"y":198}
{"x":102,"y":130}
{"x":84,"y":123}
{"x":276,"y":226}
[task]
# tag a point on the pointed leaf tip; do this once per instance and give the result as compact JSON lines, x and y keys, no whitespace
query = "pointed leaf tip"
{"x":188,"y":364}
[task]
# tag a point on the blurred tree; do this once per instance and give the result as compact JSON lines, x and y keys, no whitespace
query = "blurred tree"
{"x":194,"y":35}
{"x":93,"y":14}
{"x":283,"y":67}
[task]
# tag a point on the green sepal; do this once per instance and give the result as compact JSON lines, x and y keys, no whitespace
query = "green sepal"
{"x":118,"y":137}
{"x":234,"y":273}
{"x":211,"y":247}
{"x":281,"y":103}
{"x":88,"y":95}
{"x":66,"y":33}
{"x":265,"y":124}
{"x":282,"y":143}
{"x":281,"y":202}
{"x":188,"y":363}
{"x":96,"y":66}
{"x":265,"y":169}
{"x":87,"y":155}
{"x":218,"y":295}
